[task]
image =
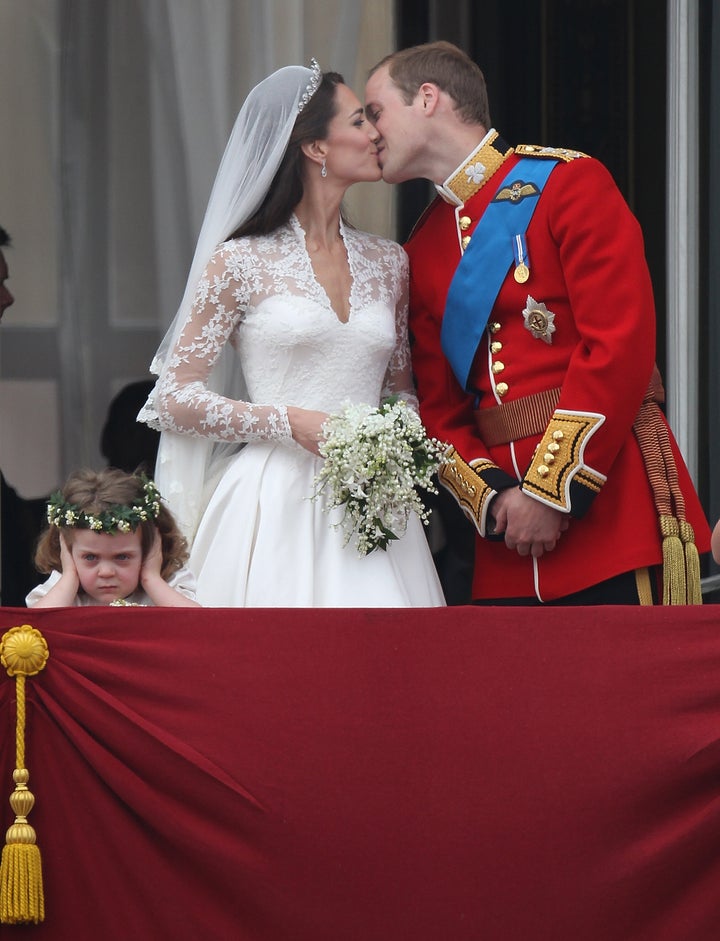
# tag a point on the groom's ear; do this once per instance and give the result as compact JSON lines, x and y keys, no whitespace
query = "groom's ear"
{"x":428,"y":95}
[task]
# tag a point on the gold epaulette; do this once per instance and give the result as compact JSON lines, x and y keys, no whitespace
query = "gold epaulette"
{"x":556,"y":153}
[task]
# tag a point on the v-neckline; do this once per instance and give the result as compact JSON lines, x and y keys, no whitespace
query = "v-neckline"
{"x":302,"y":238}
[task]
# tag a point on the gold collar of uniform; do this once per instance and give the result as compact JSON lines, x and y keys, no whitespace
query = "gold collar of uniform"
{"x":475,"y":172}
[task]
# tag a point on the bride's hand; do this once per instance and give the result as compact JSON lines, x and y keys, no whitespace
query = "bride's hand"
{"x":306,"y":427}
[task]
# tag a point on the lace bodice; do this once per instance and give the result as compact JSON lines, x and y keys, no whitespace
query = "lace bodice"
{"x":259,"y":298}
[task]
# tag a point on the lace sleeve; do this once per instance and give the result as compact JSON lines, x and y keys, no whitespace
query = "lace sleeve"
{"x":398,"y":378}
{"x":184,"y":399}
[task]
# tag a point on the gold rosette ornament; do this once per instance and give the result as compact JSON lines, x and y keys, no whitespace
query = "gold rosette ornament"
{"x":23,"y":652}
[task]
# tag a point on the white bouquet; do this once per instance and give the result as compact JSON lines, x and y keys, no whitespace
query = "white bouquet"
{"x":376,"y":459}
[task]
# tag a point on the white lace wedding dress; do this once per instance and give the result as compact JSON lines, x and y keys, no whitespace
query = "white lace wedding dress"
{"x":262,"y":540}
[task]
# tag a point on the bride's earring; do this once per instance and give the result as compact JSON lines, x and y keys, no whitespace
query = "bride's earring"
{"x":323,"y":169}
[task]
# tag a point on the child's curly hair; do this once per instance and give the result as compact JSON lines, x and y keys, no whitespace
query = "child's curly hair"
{"x":96,"y":491}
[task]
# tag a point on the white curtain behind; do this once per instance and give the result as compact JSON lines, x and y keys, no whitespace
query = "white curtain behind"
{"x":110,"y":139}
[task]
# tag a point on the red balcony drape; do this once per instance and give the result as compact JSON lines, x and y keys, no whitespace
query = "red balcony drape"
{"x":463,"y":774}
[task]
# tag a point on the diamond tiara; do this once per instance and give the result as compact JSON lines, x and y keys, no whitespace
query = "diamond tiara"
{"x":312,"y":85}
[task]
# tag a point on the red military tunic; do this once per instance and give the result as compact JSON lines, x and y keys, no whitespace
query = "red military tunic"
{"x":589,"y":281}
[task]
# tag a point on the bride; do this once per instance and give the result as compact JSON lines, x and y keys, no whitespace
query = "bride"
{"x":289,"y":315}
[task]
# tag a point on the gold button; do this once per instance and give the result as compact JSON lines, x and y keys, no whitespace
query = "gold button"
{"x":495,"y":327}
{"x":558,"y":435}
{"x":502,"y":388}
{"x":465,"y":222}
{"x":498,"y":367}
{"x":549,"y":458}
{"x":465,"y":241}
{"x":553,"y":447}
{"x":543,"y":471}
{"x":495,"y":346}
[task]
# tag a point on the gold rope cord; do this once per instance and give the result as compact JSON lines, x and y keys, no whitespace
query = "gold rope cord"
{"x":685,"y":531}
{"x":644,"y":587}
{"x":681,"y":562}
{"x":23,"y":653}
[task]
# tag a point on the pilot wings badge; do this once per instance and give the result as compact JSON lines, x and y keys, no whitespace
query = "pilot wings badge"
{"x":516,"y":192}
{"x":539,"y":320}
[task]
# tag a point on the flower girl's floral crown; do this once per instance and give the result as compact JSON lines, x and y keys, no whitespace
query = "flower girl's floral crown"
{"x":121,"y":518}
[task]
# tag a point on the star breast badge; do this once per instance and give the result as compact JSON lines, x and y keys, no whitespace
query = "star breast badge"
{"x":539,"y":320}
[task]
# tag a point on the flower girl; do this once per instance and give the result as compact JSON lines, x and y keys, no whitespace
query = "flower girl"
{"x":110,"y":541}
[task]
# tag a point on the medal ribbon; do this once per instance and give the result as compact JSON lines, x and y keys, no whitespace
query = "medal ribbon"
{"x":522,"y":259}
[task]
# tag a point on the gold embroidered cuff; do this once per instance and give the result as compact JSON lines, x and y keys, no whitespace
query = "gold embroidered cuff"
{"x":464,"y":482}
{"x":557,"y":475}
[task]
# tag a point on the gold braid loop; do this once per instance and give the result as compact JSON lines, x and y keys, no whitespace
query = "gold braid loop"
{"x":23,"y":653}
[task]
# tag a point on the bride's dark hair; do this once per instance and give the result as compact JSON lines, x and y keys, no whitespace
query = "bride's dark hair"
{"x":286,"y":189}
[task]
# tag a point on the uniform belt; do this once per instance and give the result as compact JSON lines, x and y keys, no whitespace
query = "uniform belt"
{"x":531,"y":414}
{"x":517,"y":419}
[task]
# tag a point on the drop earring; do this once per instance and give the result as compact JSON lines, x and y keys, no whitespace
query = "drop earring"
{"x":323,"y":169}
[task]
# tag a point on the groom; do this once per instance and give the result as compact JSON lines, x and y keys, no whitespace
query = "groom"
{"x":533,"y":327}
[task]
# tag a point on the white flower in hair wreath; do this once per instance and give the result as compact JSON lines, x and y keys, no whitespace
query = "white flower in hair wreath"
{"x":121,"y":518}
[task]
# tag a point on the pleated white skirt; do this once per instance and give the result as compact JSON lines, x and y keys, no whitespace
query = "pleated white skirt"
{"x":264,"y":542}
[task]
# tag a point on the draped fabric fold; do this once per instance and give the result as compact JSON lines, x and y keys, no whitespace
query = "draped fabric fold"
{"x":317,"y":775}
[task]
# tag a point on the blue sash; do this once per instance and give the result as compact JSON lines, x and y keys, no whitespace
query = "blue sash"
{"x":484,"y":266}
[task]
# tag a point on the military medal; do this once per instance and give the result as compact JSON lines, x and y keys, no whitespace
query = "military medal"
{"x":522,"y":273}
{"x":522,"y":268}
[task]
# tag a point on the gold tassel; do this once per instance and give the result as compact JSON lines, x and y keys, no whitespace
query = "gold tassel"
{"x":681,"y":562}
{"x":692,"y":563}
{"x":674,"y":584}
{"x":23,"y":653}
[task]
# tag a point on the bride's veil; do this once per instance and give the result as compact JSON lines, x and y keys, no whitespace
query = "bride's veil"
{"x":188,"y":466}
